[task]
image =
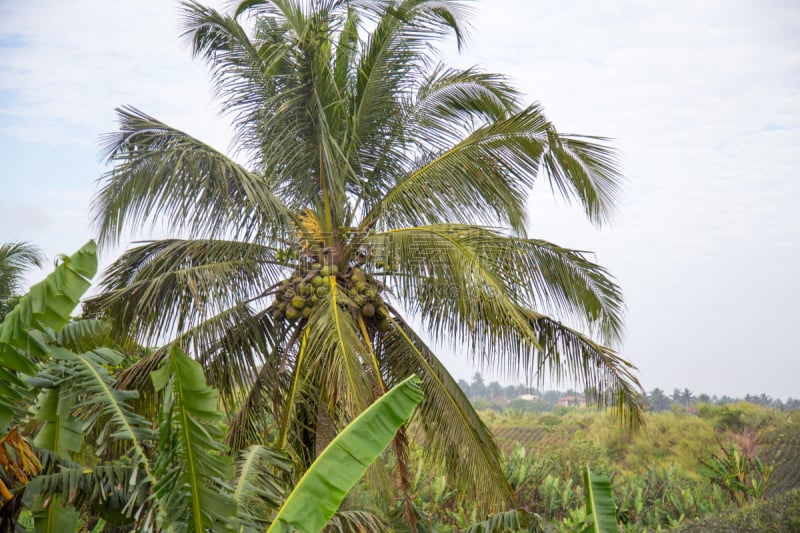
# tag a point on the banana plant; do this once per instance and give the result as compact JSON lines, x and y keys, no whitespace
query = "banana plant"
{"x":338,"y":468}
{"x":601,"y":512}
{"x":25,"y":335}
{"x":179,"y":478}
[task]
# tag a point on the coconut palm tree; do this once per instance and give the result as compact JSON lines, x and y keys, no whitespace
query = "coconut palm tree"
{"x":15,"y":259}
{"x":370,"y":186}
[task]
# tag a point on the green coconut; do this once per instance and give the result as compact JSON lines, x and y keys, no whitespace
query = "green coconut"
{"x":323,"y":291}
{"x":306,"y":312}
{"x":368,"y":310}
{"x":298,"y":302}
{"x":292,"y":314}
{"x":357,"y":275}
{"x":325,"y":271}
{"x":317,"y":281}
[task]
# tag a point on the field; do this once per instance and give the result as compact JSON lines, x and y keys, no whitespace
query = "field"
{"x":660,"y":474}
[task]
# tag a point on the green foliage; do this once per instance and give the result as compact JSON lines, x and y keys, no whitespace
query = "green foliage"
{"x":658,"y":477}
{"x":744,"y":477}
{"x":320,"y":491}
{"x":781,"y":513}
{"x":377,"y":181}
{"x":601,"y":512}
{"x":45,"y":308}
{"x":179,"y":479}
{"x":15,"y":259}
{"x":191,"y":466}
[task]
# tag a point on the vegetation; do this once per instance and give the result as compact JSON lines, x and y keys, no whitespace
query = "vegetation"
{"x":15,"y":259}
{"x":658,"y":474}
{"x":781,"y":513}
{"x":376,"y":183}
{"x":179,"y":478}
{"x":268,"y":355}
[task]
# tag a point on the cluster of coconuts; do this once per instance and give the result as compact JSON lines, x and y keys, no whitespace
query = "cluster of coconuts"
{"x":297,"y":296}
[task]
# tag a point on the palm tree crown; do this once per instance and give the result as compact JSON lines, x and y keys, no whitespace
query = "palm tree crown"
{"x":377,"y":184}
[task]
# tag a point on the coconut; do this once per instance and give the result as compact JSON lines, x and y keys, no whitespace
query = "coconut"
{"x":360,"y":287}
{"x":325,"y":271}
{"x":298,"y":302}
{"x":288,"y":294}
{"x":368,"y":310}
{"x":304,"y":289}
{"x":316,"y":266}
{"x":357,"y":275}
{"x":371,"y":293}
{"x":314,"y":299}
{"x":316,"y":281}
{"x":306,"y":312}
{"x":292,"y":314}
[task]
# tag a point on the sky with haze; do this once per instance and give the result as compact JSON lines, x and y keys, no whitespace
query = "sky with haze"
{"x":701,"y":98}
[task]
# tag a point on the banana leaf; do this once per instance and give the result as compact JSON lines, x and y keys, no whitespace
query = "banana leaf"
{"x":338,"y":468}
{"x":47,"y":306}
{"x":601,"y":511}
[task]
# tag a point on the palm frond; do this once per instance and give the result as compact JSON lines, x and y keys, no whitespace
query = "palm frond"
{"x":454,"y":433}
{"x":482,"y":274}
{"x":259,"y":488}
{"x":585,"y":169}
{"x":356,"y":521}
{"x":15,"y":259}
{"x":339,"y":350}
{"x":505,"y":522}
{"x":483,"y":178}
{"x":162,"y":287}
{"x":194,"y":188}
{"x":609,"y":379}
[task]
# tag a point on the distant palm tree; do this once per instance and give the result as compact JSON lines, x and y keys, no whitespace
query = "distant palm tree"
{"x":377,"y":184}
{"x":15,"y":259}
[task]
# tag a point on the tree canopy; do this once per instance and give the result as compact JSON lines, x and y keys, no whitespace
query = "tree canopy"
{"x":369,"y":184}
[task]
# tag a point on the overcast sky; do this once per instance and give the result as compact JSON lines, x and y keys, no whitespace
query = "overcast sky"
{"x":702,"y":99}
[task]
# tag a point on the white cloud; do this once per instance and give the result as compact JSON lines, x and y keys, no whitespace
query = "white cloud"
{"x":702,"y":98}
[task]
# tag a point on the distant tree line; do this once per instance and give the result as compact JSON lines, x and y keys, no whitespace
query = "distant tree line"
{"x":494,"y":395}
